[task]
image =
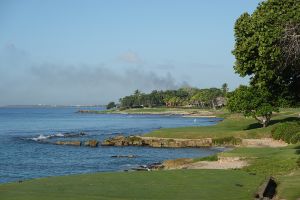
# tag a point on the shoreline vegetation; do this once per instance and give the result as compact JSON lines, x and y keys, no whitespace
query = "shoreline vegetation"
{"x":185,"y":112}
{"x":239,"y":172}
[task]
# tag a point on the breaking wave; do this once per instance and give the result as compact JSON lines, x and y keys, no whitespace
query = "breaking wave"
{"x":42,"y":137}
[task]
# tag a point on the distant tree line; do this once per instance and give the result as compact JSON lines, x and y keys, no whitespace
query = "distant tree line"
{"x":183,"y":97}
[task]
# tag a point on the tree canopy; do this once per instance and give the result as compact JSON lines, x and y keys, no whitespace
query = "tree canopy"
{"x":267,"y":48}
{"x":252,"y":102}
{"x":111,"y":105}
{"x":190,"y":97}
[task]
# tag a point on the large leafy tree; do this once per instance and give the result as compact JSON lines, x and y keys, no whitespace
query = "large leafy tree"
{"x":267,"y":48}
{"x":253,"y":102}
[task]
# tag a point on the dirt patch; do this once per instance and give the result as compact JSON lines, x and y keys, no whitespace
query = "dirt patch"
{"x":222,"y":163}
{"x":263,"y":142}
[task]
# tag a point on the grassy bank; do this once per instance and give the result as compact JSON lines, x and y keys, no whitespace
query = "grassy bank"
{"x":179,"y":184}
{"x":281,"y":163}
{"x":233,"y":125}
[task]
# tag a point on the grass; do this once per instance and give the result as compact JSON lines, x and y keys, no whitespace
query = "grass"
{"x":236,"y":127}
{"x":289,"y":186}
{"x":289,"y":183}
{"x":267,"y":161}
{"x":179,"y":184}
{"x":207,"y":158}
{"x":233,"y":125}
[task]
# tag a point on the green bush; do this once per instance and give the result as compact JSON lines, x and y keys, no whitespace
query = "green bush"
{"x":226,"y":141}
{"x":295,"y":138}
{"x":208,"y":158}
{"x":288,"y":132}
{"x":298,"y":162}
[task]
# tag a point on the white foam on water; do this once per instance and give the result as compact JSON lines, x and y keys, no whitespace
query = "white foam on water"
{"x":59,"y":135}
{"x":40,"y":137}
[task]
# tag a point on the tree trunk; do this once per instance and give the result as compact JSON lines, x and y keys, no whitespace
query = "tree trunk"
{"x":263,"y":120}
{"x":213,"y":104}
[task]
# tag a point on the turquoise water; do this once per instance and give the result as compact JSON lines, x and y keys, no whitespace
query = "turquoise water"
{"x":22,"y":156}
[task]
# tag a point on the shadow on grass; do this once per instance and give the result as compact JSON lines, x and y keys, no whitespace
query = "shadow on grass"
{"x":272,"y":122}
{"x":297,"y":149}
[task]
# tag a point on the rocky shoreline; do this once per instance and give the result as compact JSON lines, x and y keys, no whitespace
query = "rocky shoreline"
{"x":156,"y":142}
{"x":152,"y":142}
{"x":173,"y":142}
{"x":138,"y":141}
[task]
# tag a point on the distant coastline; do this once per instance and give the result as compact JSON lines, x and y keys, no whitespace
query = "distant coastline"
{"x":48,"y":106}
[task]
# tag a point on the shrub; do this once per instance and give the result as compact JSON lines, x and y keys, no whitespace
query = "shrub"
{"x":288,"y":132}
{"x":298,"y":162}
{"x":226,"y":141}
{"x":207,"y":158}
{"x":295,"y":138}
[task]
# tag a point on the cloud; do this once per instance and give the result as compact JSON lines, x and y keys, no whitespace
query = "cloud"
{"x":23,"y":81}
{"x":130,"y":57}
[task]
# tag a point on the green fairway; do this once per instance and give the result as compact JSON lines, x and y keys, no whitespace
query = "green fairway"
{"x":179,"y":184}
{"x":233,"y":125}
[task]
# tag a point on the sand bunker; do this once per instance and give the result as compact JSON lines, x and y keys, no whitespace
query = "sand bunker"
{"x":222,"y":163}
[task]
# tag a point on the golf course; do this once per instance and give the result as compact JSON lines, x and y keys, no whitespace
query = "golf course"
{"x":282,"y":163}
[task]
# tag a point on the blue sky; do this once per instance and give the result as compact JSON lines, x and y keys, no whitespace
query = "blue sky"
{"x":91,"y":52}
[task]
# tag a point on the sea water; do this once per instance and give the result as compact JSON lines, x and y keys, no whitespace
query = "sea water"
{"x":24,"y":155}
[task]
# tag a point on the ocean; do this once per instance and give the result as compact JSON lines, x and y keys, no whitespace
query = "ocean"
{"x":23,"y":155}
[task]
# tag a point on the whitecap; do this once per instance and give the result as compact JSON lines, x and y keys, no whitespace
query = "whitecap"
{"x":59,"y":135}
{"x":40,"y":137}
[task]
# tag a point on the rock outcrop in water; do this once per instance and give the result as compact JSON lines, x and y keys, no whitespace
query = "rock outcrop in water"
{"x":91,"y":143}
{"x":71,"y":143}
{"x":157,"y":142}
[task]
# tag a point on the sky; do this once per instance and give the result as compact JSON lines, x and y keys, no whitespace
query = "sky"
{"x":82,"y":52}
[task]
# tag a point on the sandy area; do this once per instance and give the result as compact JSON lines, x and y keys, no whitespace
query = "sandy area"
{"x":222,"y":163}
{"x":263,"y":142}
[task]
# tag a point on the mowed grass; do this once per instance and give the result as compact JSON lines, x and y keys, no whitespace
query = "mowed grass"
{"x":289,"y":186}
{"x":234,"y":125}
{"x":267,"y":161}
{"x":281,"y":163}
{"x":177,"y":184}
